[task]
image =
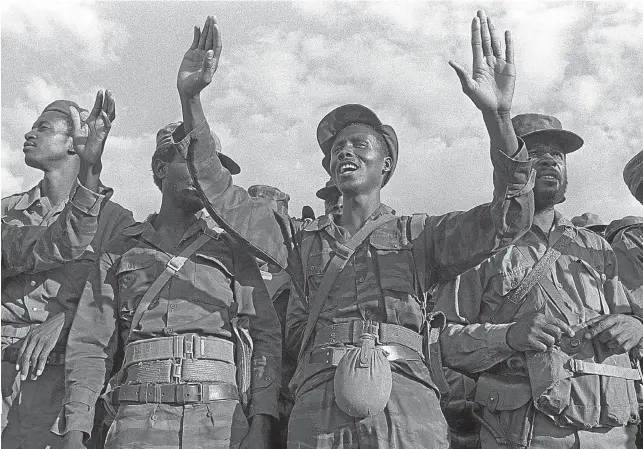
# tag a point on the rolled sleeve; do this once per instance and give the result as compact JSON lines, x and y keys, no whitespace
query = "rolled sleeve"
{"x":87,"y":201}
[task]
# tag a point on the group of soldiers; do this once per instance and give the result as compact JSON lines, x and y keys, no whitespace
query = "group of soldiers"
{"x":223,"y":322}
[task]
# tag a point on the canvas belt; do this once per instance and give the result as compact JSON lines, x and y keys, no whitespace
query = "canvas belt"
{"x":186,"y":346}
{"x":191,"y":393}
{"x":181,"y":371}
{"x":17,"y":330}
{"x":350,"y":332}
{"x":332,"y":356}
{"x":55,"y":357}
{"x":603,"y":369}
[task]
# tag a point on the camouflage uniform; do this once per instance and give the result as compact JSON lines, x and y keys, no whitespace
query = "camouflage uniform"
{"x":377,"y":284}
{"x":216,"y":285}
{"x":30,"y":298}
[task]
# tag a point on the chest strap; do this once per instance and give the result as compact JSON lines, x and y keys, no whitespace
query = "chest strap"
{"x":350,"y":332}
{"x":603,"y":369}
{"x":186,"y":346}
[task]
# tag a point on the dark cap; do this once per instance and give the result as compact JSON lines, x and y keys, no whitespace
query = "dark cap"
{"x":62,"y":106}
{"x":339,"y":118}
{"x":274,"y":196}
{"x":617,"y":225}
{"x":590,"y":221}
{"x":633,"y":173}
{"x":529,"y":125}
{"x":326,"y":192}
{"x":164,"y":138}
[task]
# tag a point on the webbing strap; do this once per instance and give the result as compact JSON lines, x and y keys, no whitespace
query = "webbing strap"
{"x":335,"y":265}
{"x":172,"y":266}
{"x":509,"y":307}
{"x":603,"y":369}
{"x":190,"y":346}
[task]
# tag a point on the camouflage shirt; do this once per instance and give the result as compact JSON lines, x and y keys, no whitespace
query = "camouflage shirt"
{"x":369,"y":286}
{"x":628,"y":247}
{"x":28,"y":248}
{"x":33,"y":296}
{"x":201,"y":298}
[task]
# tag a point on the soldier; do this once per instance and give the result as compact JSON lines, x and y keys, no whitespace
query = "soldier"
{"x":590,"y":221}
{"x":369,"y":292}
{"x":545,"y":325}
{"x":278,"y":284}
{"x":187,"y":310}
{"x":627,"y":240}
{"x":38,"y":306}
{"x":333,"y":200}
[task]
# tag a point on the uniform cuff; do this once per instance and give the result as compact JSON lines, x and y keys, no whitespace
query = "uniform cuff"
{"x":264,"y":401}
{"x":74,"y":416}
{"x":497,"y":338}
{"x":182,"y":141}
{"x":85,"y":200}
{"x":514,"y":171}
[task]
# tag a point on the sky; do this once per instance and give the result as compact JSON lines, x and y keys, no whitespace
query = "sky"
{"x":285,"y":65}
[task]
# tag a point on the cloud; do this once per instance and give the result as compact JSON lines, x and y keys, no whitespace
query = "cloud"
{"x":59,"y":26}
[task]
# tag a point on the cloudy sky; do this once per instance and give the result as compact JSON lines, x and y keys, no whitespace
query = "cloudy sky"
{"x":285,"y":65}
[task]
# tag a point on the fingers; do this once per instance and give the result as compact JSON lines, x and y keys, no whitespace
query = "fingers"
{"x":509,"y":50}
{"x":204,"y":34}
{"x":484,"y":32}
{"x":197,"y":37}
{"x":217,"y":41}
{"x":75,"y":120}
{"x":38,"y":360}
{"x":559,"y":324}
{"x":599,"y":324}
{"x":109,"y":106}
{"x":208,"y":65}
{"x":476,"y":42}
{"x":98,"y":104}
{"x":210,"y":37}
{"x":465,"y":79}
{"x":24,"y":358}
{"x":495,"y":42}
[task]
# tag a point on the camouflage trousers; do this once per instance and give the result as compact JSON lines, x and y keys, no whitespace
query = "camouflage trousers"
{"x":547,"y":435}
{"x":412,"y":419}
{"x":30,"y":407}
{"x":217,"y":425}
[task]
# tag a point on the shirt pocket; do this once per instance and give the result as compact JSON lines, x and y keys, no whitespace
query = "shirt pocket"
{"x":589,"y":284}
{"x":314,"y":274}
{"x":503,"y":284}
{"x":135,"y":275}
{"x":212,"y":280}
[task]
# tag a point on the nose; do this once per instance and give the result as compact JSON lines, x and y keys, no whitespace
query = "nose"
{"x":30,"y":135}
{"x":547,"y":160}
{"x":345,"y":152}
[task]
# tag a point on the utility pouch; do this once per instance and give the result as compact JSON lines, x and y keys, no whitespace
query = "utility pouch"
{"x":505,"y":408}
{"x":433,"y":325}
{"x":363,"y":379}
{"x":243,"y":357}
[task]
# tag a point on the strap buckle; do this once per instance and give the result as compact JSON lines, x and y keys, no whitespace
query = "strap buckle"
{"x":176,"y":370}
{"x":343,"y":252}
{"x":367,"y":327}
{"x":175,"y":263}
{"x":185,"y":390}
{"x":188,"y":346}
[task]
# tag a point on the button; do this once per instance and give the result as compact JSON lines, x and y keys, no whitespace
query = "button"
{"x":35,"y":309}
{"x":32,"y":283}
{"x":209,"y":414}
{"x":154,"y":418}
{"x":362,"y":279}
{"x":168,"y":330}
{"x":173,"y":306}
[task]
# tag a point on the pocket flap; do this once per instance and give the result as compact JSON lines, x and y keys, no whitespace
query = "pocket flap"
{"x":216,"y":261}
{"x":136,"y":259}
{"x":502,"y":392}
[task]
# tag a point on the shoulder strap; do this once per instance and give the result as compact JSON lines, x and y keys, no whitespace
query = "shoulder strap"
{"x":172,"y":266}
{"x":418,"y":250}
{"x":335,"y":265}
{"x":508,"y":309}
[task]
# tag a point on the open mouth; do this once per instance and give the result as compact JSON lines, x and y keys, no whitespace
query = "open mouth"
{"x":346,"y":167}
{"x":549,"y":176}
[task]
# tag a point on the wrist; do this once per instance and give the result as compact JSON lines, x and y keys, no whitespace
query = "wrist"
{"x":74,"y":435}
{"x":261,"y":422}
{"x":497,"y":116}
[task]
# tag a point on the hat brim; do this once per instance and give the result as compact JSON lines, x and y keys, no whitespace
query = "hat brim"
{"x":572,"y":141}
{"x":229,"y":164}
{"x":325,"y":192}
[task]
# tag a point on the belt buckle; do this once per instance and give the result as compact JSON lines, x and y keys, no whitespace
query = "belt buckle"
{"x":185,"y":394}
{"x":372,"y":327}
{"x":188,"y":346}
{"x":176,"y":370}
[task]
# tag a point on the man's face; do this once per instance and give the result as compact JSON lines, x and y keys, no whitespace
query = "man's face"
{"x":49,"y":142}
{"x":358,"y":161}
{"x":551,"y":171}
{"x":177,"y":183}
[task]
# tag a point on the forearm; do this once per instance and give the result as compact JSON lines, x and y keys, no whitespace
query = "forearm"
{"x":501,"y":132}
{"x":192,"y":110}
{"x":89,"y":175}
{"x":475,"y":347}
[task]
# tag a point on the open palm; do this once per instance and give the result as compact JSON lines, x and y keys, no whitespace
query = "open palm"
{"x":491,"y":85}
{"x":201,"y":60}
{"x":89,"y":135}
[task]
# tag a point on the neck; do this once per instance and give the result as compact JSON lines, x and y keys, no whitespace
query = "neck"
{"x":172,"y":222}
{"x":357,"y":209}
{"x":57,"y":183}
{"x":544,"y":219}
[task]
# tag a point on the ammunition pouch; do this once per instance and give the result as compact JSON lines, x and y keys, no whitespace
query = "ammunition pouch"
{"x":505,"y":408}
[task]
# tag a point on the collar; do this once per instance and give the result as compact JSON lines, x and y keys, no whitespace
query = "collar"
{"x":29,"y":197}
{"x":147,"y":231}
{"x":329,"y":220}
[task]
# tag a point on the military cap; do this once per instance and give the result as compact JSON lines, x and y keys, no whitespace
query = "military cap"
{"x":617,"y":225}
{"x":62,"y":106}
{"x":341,"y":117}
{"x":530,"y":125}
{"x":590,"y":221}
{"x":633,"y":173}
{"x":326,"y":192}
{"x":164,"y":138}
{"x":277,"y":199}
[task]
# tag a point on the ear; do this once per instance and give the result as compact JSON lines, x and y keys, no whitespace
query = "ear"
{"x":160,"y":167}
{"x":388,"y":164}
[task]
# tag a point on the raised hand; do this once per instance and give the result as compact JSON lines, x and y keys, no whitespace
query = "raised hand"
{"x":491,"y":85}
{"x":91,"y":133}
{"x":201,"y":60}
